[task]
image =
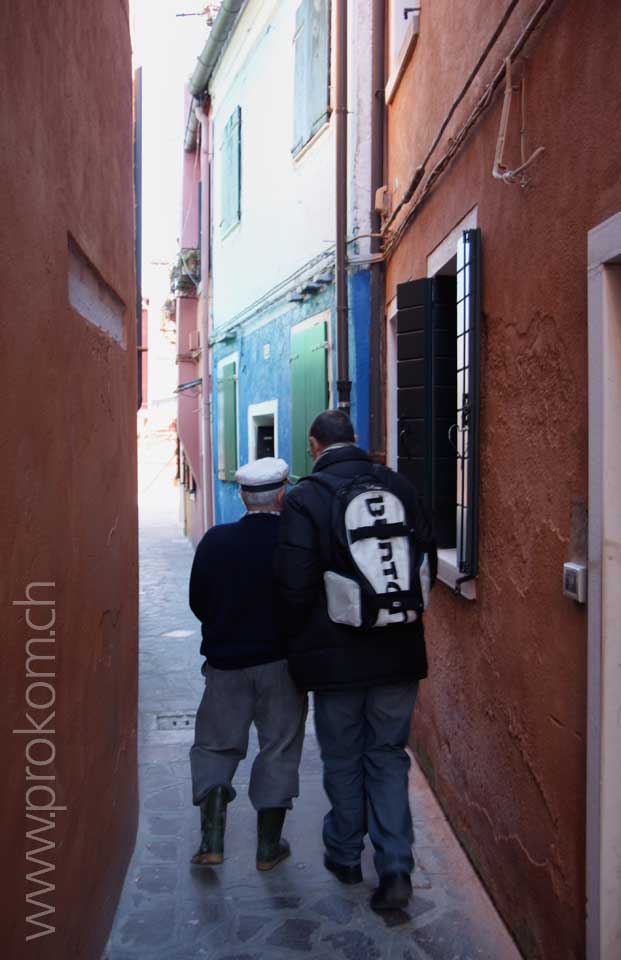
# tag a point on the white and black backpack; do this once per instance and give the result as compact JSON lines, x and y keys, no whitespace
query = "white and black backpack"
{"x":376,"y":575}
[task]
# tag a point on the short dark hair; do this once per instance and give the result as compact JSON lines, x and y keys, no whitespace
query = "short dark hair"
{"x":332,"y":426}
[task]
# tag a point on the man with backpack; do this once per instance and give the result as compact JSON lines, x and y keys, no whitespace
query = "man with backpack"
{"x":354,"y":563}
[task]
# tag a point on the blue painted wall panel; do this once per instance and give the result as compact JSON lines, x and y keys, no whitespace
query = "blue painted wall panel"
{"x":262,"y":379}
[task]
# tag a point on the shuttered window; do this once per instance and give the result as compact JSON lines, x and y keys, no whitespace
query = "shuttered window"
{"x":309,"y":389}
{"x":312,"y":70}
{"x":227,"y":421}
{"x":230,"y":172}
{"x":438,"y":323}
{"x":468,"y":399}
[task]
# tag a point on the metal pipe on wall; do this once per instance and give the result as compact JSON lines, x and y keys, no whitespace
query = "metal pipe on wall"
{"x":343,"y":382}
{"x":138,"y":227}
{"x":377,"y":337}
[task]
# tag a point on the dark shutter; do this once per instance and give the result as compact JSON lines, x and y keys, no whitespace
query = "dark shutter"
{"x":468,"y":400}
{"x":426,"y":395}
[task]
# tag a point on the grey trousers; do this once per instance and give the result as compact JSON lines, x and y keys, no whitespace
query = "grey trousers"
{"x":231,"y":702}
{"x":362,"y":735}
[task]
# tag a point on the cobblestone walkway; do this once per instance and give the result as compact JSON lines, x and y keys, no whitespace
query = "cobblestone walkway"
{"x":172,"y":911}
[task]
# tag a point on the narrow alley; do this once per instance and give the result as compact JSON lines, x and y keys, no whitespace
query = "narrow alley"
{"x":237,"y":237}
{"x":172,"y":911}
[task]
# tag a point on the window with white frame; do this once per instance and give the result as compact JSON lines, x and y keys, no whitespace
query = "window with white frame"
{"x":403,"y":21}
{"x":403,"y":30}
{"x":437,"y":353}
{"x":311,"y":91}
{"x":262,"y":430}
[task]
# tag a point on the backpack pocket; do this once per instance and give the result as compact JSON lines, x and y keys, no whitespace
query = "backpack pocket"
{"x":344,"y":599}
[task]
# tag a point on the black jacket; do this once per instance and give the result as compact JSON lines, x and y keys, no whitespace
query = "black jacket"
{"x":231,"y":592}
{"x":324,"y":655}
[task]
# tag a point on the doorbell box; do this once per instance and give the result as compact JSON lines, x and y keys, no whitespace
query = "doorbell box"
{"x":575,"y":581}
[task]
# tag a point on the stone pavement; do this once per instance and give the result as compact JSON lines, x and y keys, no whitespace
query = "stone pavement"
{"x":172,"y":911}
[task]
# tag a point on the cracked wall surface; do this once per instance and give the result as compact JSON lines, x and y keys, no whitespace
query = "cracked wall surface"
{"x":68,"y":506}
{"x":500,"y":725}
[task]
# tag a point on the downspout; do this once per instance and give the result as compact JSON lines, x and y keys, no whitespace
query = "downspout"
{"x":203,"y":116}
{"x":377,"y":338}
{"x":343,"y":383}
{"x":138,"y":226}
{"x":199,"y":81}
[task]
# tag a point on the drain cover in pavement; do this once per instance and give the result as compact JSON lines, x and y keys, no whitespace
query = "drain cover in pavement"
{"x":175,"y":721}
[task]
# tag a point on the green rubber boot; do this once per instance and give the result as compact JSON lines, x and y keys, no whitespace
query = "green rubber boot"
{"x":213,"y":823}
{"x":271,"y":849}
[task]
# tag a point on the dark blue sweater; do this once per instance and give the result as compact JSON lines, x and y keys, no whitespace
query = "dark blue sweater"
{"x":231,"y":592}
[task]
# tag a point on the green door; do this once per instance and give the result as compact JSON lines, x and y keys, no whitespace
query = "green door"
{"x":309,"y":389}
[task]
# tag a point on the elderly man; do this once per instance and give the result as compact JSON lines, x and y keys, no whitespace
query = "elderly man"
{"x":355,"y":559}
{"x":246,"y":675}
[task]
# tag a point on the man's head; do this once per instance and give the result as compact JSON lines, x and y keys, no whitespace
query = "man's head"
{"x":328,"y":428}
{"x":262,"y":484}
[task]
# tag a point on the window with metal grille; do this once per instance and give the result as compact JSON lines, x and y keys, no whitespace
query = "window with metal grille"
{"x":309,"y":388}
{"x":438,"y":342}
{"x":230,"y":172}
{"x":311,"y":103}
{"x":227,"y":420}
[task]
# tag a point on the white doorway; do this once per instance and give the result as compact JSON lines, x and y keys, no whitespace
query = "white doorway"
{"x":603,"y":853}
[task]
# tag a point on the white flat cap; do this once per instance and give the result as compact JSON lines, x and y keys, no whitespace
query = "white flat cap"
{"x":268,"y":473}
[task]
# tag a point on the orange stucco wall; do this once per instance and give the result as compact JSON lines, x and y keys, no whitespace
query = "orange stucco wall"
{"x":501,"y":722}
{"x":68,"y":504}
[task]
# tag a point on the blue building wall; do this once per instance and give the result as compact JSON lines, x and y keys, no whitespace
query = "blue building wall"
{"x":261,"y":379}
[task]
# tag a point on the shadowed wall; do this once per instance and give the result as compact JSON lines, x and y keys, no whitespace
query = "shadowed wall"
{"x":68,"y":505}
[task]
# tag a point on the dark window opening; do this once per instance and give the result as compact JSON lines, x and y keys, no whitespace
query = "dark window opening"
{"x":265,"y":440}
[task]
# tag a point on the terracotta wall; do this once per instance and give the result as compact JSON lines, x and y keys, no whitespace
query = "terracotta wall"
{"x":68,"y":503}
{"x":501,"y":724}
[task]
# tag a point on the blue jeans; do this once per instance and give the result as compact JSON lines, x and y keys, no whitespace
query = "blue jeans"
{"x":362,"y":736}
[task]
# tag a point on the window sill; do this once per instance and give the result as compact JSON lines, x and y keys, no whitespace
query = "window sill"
{"x":296,"y":157}
{"x":227,"y":231}
{"x":449,"y":574}
{"x":403,"y":58}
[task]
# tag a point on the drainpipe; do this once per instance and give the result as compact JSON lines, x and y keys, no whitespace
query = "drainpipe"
{"x":343,"y":382}
{"x":377,"y":339}
{"x":216,"y":42}
{"x":138,"y":226}
{"x":203,"y":117}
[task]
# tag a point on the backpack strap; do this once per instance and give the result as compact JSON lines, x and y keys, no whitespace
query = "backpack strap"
{"x":379,"y":530}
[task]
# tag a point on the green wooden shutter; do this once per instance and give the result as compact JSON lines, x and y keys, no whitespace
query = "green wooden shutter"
{"x":230,"y":173}
{"x":311,"y":99}
{"x":309,"y":389}
{"x":227,"y":422}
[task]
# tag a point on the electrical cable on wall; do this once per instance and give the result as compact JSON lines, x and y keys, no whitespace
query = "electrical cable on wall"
{"x":500,"y":171}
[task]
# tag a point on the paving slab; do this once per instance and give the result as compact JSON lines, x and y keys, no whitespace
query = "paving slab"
{"x":170,"y":910}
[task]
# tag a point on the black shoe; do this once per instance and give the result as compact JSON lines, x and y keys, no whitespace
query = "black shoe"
{"x":342,"y":871}
{"x":213,"y":824}
{"x":393,"y":893}
{"x":271,"y":849}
